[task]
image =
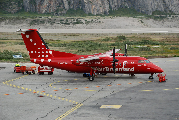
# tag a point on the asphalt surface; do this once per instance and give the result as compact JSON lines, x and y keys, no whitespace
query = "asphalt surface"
{"x":69,"y":96}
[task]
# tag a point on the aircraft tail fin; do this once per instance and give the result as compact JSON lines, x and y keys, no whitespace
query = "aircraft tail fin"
{"x":37,"y":47}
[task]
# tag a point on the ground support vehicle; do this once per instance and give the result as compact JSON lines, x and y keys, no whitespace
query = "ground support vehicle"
{"x":161,"y":77}
{"x":42,"y":69}
{"x":17,"y":69}
{"x":28,"y":70}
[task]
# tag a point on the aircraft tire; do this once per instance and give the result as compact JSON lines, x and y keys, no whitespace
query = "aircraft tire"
{"x":151,"y":77}
{"x":91,"y":78}
{"x":84,"y":75}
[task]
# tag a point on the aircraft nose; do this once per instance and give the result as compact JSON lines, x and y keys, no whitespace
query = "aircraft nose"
{"x":158,"y":69}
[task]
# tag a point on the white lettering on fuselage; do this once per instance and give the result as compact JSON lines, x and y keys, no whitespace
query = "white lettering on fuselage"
{"x":107,"y":69}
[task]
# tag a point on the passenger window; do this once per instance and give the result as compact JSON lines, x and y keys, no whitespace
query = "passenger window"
{"x":141,"y":61}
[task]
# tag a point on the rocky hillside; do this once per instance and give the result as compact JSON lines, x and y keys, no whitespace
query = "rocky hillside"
{"x":89,"y":6}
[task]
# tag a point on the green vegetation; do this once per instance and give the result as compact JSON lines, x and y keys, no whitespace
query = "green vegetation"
{"x":75,"y":13}
{"x":139,"y":46}
{"x":145,"y":45}
{"x":8,"y":56}
{"x":125,"y":12}
{"x":23,"y":14}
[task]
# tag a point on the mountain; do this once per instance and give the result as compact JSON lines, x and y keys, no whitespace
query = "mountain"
{"x":89,"y":6}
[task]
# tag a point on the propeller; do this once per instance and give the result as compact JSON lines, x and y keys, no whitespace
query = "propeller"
{"x":114,"y":61}
{"x":125,"y":50}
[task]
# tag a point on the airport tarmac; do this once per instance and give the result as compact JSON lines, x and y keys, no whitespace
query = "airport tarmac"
{"x":69,"y":96}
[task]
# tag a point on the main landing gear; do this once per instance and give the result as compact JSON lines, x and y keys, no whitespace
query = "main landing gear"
{"x":151,"y":77}
{"x":92,"y":74}
{"x":91,"y":78}
{"x":132,"y":75}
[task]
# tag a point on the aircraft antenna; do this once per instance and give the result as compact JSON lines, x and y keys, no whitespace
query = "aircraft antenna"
{"x":126,"y":50}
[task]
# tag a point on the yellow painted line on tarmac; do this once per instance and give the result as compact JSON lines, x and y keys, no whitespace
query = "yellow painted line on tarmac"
{"x":68,"y":112}
{"x":171,"y":60}
{"x":166,"y":89}
{"x":43,"y":92}
{"x":90,"y":90}
{"x":146,"y":90}
{"x":177,"y":88}
{"x":111,"y":106}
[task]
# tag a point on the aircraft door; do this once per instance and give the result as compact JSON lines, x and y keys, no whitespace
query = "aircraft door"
{"x":125,"y":66}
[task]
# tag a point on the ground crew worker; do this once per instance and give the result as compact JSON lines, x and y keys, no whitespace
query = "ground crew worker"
{"x":17,"y":65}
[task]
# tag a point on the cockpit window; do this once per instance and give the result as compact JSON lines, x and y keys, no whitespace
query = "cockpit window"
{"x":147,"y":61}
{"x":141,"y":61}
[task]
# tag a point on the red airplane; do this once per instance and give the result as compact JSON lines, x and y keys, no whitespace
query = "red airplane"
{"x":109,"y":62}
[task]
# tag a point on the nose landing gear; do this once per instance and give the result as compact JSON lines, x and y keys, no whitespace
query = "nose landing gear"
{"x":151,"y":77}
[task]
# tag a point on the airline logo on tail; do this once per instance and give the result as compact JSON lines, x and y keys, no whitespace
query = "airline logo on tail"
{"x":35,"y":44}
{"x":37,"y":47}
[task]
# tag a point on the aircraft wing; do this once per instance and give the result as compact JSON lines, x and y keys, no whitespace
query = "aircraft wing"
{"x":97,"y":60}
{"x":99,"y":56}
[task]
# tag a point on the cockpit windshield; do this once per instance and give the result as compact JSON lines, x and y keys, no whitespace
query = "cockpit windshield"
{"x":147,"y":61}
{"x":141,"y":61}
